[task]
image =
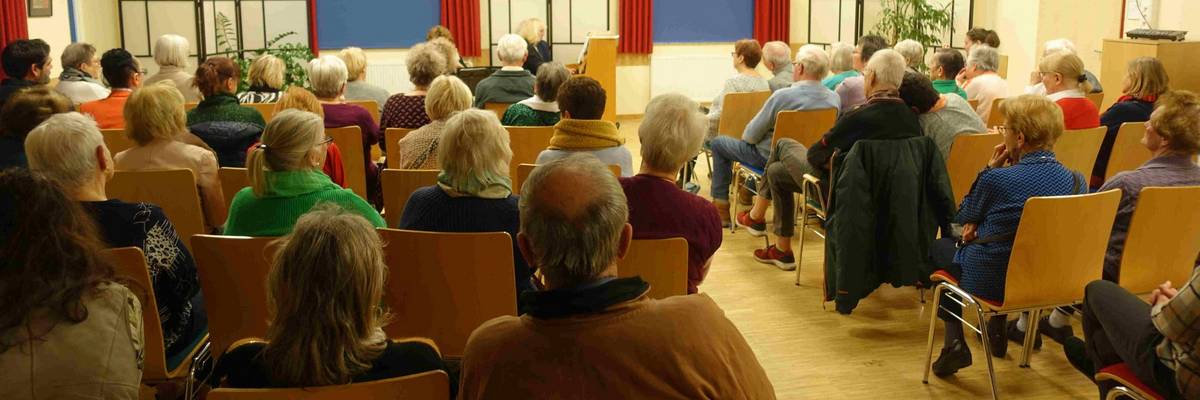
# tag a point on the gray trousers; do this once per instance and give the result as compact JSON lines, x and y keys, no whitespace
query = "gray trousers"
{"x":782,"y":177}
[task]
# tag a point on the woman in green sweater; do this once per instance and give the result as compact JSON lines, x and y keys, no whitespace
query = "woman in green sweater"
{"x":286,"y":179}
{"x":542,"y":108}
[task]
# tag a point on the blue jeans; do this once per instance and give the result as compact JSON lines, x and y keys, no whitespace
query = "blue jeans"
{"x":726,"y":150}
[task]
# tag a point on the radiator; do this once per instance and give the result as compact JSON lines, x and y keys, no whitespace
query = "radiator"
{"x":390,"y":75}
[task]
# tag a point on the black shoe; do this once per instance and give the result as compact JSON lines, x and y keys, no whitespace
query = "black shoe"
{"x":1076,"y":353}
{"x":1018,"y":337}
{"x":1059,"y":335}
{"x":997,"y":338}
{"x":954,"y":357}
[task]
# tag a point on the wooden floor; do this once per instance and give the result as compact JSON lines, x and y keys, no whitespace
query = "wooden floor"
{"x":876,"y":352}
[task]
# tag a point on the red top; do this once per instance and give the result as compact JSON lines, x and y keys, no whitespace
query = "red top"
{"x":1079,"y":113}
{"x":108,"y":112}
{"x":658,"y":210}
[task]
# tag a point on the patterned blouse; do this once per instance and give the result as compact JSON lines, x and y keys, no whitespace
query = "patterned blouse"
{"x":404,"y":111}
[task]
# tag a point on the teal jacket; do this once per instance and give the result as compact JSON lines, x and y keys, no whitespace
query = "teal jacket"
{"x":290,"y":194}
{"x":947,"y":86}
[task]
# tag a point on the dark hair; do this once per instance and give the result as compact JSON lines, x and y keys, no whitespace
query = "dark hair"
{"x":212,"y":74}
{"x":871,"y":44}
{"x":582,"y":97}
{"x":49,"y":254}
{"x":119,"y":67}
{"x":750,"y":51}
{"x":992,"y":39}
{"x":985,"y":36}
{"x":27,"y":109}
{"x":951,"y":61}
{"x":20,"y":56}
{"x":918,"y":92}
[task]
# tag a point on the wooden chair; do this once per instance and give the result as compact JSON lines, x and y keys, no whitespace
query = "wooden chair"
{"x":996,"y":116}
{"x":266,"y":109}
{"x":738,"y":110}
{"x":498,"y":108}
{"x":191,"y":105}
{"x":437,"y":290}
{"x":392,"y":136}
{"x":422,"y":386}
{"x":1128,"y":153}
{"x":233,"y":276}
{"x":526,"y":143}
{"x":974,"y":104}
{"x":349,"y":141}
{"x":1077,"y":149}
{"x":969,"y":154}
{"x":1163,"y":239}
{"x":804,"y":126}
{"x":174,"y":190}
{"x":129,"y":264}
{"x":371,"y":106}
{"x":398,"y":186}
{"x":233,"y":179}
{"x":663,"y":263}
{"x":117,"y":141}
{"x":813,"y":206}
{"x":524,"y":170}
{"x":1096,"y":98}
{"x":1129,"y":384}
{"x":1059,"y":246}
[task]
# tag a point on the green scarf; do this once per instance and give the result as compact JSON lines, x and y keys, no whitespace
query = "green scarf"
{"x":487,"y":186}
{"x":585,"y":134}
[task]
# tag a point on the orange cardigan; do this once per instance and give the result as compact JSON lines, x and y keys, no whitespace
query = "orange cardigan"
{"x":109,"y":112}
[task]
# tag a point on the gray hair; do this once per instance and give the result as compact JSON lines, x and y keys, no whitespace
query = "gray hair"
{"x":63,"y":149}
{"x":76,"y":54}
{"x":814,"y":60}
{"x":474,"y":147}
{"x":171,"y":51}
{"x":327,"y":75}
{"x":550,"y":76}
{"x":887,"y":66}
{"x":1057,"y":45}
{"x":913,"y":52}
{"x":573,"y":244}
{"x":671,"y":132}
{"x":425,"y":62}
{"x":841,"y":57}
{"x":984,"y":58}
{"x":777,"y":53}
{"x":511,"y":49}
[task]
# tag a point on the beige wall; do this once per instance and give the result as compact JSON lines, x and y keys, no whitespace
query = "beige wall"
{"x":1183,"y":15}
{"x":55,"y":30}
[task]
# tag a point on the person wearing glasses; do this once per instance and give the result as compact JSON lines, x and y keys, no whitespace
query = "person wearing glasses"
{"x":286,"y":179}
{"x":124,"y":74}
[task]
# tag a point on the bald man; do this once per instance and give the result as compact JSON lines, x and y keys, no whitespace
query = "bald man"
{"x":777,"y":57}
{"x":588,"y":333}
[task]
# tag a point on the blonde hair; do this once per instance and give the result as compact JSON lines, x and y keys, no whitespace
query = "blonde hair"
{"x":439,"y":31}
{"x":298,"y":98}
{"x":171,"y":51}
{"x":63,"y":149}
{"x":913,"y":52}
{"x":267,"y":70}
{"x":1177,"y":118}
{"x":474,"y":146}
{"x":1146,"y":78}
{"x":323,"y":294}
{"x":450,"y":51}
{"x":327,"y":76}
{"x":425,"y":63}
{"x":286,"y":143}
{"x":672,"y":131}
{"x":1036,"y":117}
{"x":446,"y":96}
{"x":1067,"y":64}
{"x":154,"y":112}
{"x":356,"y":62}
{"x":528,"y":29}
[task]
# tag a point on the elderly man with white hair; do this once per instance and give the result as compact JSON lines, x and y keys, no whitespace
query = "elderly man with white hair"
{"x":883,"y":116}
{"x":984,"y":83}
{"x":1053,"y":46}
{"x":777,"y":57}
{"x":512,"y":83}
{"x":586,"y":331}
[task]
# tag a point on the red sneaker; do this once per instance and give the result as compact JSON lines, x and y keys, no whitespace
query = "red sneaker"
{"x":772,"y":255}
{"x":756,"y":228}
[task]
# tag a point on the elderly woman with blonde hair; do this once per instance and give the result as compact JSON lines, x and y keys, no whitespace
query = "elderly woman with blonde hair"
{"x":298,"y":98}
{"x":474,"y":192}
{"x":407,"y":110}
{"x":671,"y":134}
{"x":1145,"y":81}
{"x":171,"y":54}
{"x":266,"y":80}
{"x":533,"y":30}
{"x":447,"y":96}
{"x":450,"y":51}
{"x":358,"y":88}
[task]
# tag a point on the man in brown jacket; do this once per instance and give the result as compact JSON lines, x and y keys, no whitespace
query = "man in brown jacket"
{"x":589,"y":334}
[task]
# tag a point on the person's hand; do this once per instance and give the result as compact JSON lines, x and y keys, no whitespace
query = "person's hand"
{"x":970,"y":232}
{"x":1035,"y":77}
{"x":1000,"y":156}
{"x":961,"y":78}
{"x":1163,"y":293}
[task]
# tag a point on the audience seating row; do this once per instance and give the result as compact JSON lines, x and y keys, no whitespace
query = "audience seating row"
{"x":268,"y":109}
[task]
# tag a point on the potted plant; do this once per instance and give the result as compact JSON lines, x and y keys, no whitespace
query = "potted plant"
{"x":295,"y":56}
{"x":913,"y":19}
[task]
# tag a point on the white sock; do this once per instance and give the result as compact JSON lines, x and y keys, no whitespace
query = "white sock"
{"x":1059,"y":319}
{"x":1022,"y":323}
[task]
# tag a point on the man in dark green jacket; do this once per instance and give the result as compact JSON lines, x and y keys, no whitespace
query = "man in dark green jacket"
{"x":511,"y":83}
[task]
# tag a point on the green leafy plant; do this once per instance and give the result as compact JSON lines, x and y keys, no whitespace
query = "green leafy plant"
{"x":295,"y":56}
{"x":913,"y":19}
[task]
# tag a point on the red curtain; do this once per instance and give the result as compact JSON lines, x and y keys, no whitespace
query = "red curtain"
{"x":13,"y":23}
{"x":771,"y":20}
{"x":636,"y":20}
{"x":313,"y":43}
{"x":461,"y":17}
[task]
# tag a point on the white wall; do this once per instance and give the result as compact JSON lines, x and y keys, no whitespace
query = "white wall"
{"x":55,"y":30}
{"x":1183,"y":15}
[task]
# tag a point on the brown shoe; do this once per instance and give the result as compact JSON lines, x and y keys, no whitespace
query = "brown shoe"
{"x":744,"y":196}
{"x":722,"y":212}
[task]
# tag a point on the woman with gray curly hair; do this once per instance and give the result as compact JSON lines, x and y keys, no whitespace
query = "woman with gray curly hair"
{"x":407,"y":110}
{"x":542,"y":108}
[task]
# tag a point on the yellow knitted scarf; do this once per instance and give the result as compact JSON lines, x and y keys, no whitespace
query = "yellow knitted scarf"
{"x":581,"y":134}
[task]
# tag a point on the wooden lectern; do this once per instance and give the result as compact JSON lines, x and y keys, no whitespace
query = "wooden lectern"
{"x":1175,"y":57}
{"x":600,"y":63}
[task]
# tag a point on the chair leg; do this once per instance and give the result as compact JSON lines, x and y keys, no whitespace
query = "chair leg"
{"x":987,"y":348}
{"x":1031,"y":330}
{"x":800,"y":229}
{"x":733,"y":185}
{"x":1121,"y":391}
{"x":937,"y":297}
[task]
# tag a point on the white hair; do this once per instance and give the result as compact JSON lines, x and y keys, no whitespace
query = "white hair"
{"x":671,"y":132}
{"x":984,"y":58}
{"x":887,"y":66}
{"x":814,"y":60}
{"x":474,"y":148}
{"x":511,"y":49}
{"x":777,"y":53}
{"x":1056,"y":45}
{"x":63,"y":149}
{"x":841,"y":57}
{"x":171,"y":51}
{"x":912,"y":50}
{"x":327,"y":75}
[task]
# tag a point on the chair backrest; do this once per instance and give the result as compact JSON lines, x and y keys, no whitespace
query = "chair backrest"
{"x":232,"y":181}
{"x":1096,"y":98}
{"x":266,"y":109}
{"x":974,"y":104}
{"x":498,"y":108}
{"x":130,"y":263}
{"x":422,"y":386}
{"x":969,"y":154}
{"x":349,"y":142}
{"x":1059,"y":248}
{"x":1077,"y":149}
{"x":1163,"y":238}
{"x":371,"y":106}
{"x":437,"y":290}
{"x":1128,"y":153}
{"x":996,"y":115}
{"x":391,"y":136}
{"x":526,"y":143}
{"x":189,"y":106}
{"x":524,"y":170}
{"x":116,"y":141}
{"x":233,"y":276}
{"x":804,"y":126}
{"x":661,"y":262}
{"x":398,"y":186}
{"x":737,"y":111}
{"x":174,"y":190}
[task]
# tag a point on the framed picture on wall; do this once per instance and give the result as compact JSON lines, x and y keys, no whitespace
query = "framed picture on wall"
{"x":41,"y":8}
